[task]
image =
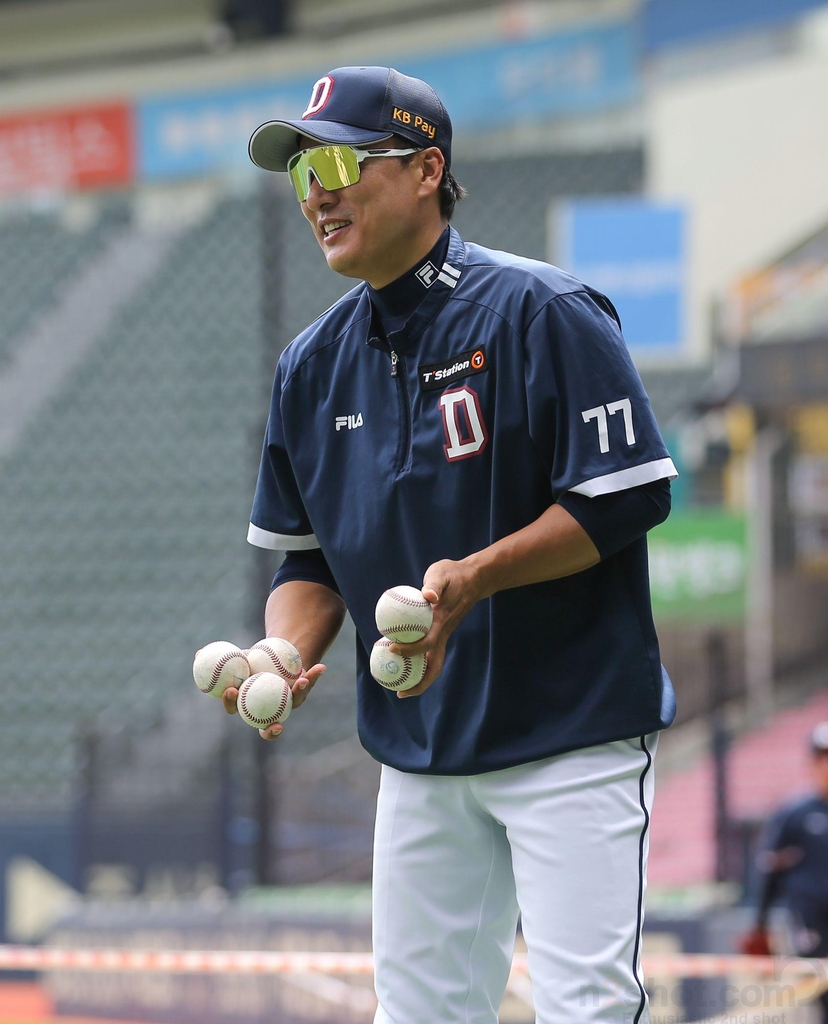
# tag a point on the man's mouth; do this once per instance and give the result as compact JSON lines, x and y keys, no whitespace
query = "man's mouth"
{"x":333,"y":226}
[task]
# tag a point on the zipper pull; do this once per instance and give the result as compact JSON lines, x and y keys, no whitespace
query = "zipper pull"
{"x":394,"y":361}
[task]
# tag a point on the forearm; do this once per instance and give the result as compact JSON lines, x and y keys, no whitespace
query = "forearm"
{"x":307,"y":614}
{"x":554,"y":545}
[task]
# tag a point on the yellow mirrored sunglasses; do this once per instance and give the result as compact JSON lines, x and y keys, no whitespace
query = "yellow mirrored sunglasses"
{"x":333,"y":166}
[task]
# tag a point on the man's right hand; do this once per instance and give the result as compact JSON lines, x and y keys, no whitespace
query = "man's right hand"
{"x":300,"y":690}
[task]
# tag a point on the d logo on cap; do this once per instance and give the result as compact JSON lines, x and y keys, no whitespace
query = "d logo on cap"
{"x":320,"y":94}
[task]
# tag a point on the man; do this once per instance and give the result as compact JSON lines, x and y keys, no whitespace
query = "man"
{"x":472,"y":420}
{"x":794,"y":867}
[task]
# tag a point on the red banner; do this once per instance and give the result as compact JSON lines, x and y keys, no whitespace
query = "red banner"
{"x":80,"y":148}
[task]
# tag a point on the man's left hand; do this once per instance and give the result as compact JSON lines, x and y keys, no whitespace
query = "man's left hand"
{"x":451,"y":588}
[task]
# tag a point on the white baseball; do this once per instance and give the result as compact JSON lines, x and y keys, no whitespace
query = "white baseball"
{"x":273,"y":654}
{"x":219,"y":665}
{"x":396,"y":671}
{"x":403,"y":614}
{"x":264,"y":699}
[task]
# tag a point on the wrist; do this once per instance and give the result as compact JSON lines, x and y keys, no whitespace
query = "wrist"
{"x":482,"y":581}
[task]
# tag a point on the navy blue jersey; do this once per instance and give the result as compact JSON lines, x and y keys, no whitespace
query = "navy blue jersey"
{"x":509,"y":386}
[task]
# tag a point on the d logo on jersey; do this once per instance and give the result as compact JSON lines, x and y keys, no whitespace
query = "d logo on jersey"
{"x":320,"y":94}
{"x":466,"y":433}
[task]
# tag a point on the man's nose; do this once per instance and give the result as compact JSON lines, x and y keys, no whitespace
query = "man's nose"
{"x":318,"y":197}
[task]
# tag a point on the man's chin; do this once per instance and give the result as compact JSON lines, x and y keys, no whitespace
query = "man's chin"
{"x":342,"y":263}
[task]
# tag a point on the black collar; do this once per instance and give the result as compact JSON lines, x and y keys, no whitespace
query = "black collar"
{"x":401,"y":297}
{"x":420,"y":293}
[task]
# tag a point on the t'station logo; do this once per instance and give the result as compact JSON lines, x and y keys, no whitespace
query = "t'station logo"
{"x":466,"y":432}
{"x":435,"y":376}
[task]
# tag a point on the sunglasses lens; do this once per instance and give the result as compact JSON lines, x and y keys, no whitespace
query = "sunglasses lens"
{"x":333,"y":167}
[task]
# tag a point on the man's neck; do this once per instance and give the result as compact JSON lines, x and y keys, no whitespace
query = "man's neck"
{"x":398,"y":300}
{"x":426,"y":242}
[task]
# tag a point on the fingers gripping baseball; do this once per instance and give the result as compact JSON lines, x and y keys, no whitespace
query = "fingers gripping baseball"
{"x":230,"y":700}
{"x":448,"y":588}
{"x":305,"y":683}
{"x":436,"y":580}
{"x":300,"y":690}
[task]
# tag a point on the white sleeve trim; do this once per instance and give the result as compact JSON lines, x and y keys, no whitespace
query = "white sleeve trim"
{"x":280,"y":541}
{"x":625,"y":478}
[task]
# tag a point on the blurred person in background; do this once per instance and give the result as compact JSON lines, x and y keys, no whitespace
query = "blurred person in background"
{"x":793,"y":867}
{"x":473,"y":420}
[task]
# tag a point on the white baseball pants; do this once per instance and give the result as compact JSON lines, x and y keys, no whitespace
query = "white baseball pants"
{"x":563,"y":841}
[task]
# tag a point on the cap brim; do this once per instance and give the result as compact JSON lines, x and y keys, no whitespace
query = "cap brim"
{"x":275,"y":142}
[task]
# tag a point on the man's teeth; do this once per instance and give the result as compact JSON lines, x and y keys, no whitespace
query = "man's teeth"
{"x":334,"y":226}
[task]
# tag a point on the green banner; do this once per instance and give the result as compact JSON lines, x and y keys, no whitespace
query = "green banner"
{"x":698,"y":566}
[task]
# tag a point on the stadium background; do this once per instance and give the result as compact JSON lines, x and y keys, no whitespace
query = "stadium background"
{"x":672,"y":154}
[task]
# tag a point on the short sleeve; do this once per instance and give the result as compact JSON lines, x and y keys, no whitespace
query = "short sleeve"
{"x":307,"y":566}
{"x":278,"y":520}
{"x":589,"y":415}
{"x":615,"y":520}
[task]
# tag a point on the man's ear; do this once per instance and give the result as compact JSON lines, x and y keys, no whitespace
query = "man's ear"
{"x":432,"y":163}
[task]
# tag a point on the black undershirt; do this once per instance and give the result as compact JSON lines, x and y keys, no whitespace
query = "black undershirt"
{"x":395,"y":303}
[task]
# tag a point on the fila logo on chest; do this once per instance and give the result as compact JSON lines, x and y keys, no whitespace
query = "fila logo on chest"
{"x":350,"y":422}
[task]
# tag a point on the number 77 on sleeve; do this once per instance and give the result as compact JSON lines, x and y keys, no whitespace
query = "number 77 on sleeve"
{"x":599,"y":413}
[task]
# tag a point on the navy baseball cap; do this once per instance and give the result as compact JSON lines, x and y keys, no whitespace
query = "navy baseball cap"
{"x":355,"y":106}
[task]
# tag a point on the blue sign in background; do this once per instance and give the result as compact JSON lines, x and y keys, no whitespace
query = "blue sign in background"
{"x":633,"y":251}
{"x":668,"y":23}
{"x":184,"y":136}
{"x":563,"y":73}
{"x":483,"y":87}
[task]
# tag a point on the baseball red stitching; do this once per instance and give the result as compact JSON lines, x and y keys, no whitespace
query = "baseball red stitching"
{"x":408,"y":666}
{"x":278,"y":663}
{"x":284,"y":671}
{"x":403,"y":599}
{"x":404,"y":677}
{"x":214,"y":678}
{"x":395,"y":685}
{"x":407,"y":627}
{"x":261,"y":722}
